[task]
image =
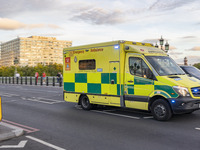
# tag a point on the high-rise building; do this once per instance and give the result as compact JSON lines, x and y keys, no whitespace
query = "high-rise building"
{"x":33,"y":50}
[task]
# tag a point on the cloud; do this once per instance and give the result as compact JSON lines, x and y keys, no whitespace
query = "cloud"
{"x":9,"y":24}
{"x":11,"y":8}
{"x":196,"y":48}
{"x":154,"y":41}
{"x":189,"y":37}
{"x":53,"y":26}
{"x":52,"y":34}
{"x":172,"y":48}
{"x":175,"y":53}
{"x":193,"y":59}
{"x":150,"y":41}
{"x":89,"y":11}
{"x":193,"y":56}
{"x":100,"y":16}
{"x":78,"y":10}
{"x":169,"y":4}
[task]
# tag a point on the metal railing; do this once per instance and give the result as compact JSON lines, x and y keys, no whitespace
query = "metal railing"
{"x":49,"y":81}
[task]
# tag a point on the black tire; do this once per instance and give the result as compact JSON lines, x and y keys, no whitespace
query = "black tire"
{"x":161,"y":110}
{"x":85,"y":103}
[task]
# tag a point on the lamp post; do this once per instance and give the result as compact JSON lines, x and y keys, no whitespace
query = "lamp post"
{"x":16,"y":61}
{"x":161,"y":40}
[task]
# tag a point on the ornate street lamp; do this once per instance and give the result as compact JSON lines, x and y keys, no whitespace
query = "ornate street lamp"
{"x":161,"y":40}
{"x":166,"y":47}
{"x":156,"y":45}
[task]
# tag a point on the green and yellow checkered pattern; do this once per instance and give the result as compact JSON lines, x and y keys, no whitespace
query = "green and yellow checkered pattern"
{"x":93,"y":83}
{"x":100,"y":83}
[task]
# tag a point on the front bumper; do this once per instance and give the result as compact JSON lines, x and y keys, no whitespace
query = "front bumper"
{"x":183,"y":105}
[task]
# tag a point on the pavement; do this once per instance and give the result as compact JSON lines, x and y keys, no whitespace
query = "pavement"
{"x":8,"y":131}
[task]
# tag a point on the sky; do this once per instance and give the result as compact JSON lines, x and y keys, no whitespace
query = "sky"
{"x":94,"y":21}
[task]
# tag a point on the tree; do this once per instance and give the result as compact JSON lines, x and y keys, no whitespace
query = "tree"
{"x":197,"y":65}
{"x":50,"y":70}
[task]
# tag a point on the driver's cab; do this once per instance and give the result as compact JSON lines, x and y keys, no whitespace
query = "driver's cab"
{"x":139,"y":81}
{"x":149,"y":77}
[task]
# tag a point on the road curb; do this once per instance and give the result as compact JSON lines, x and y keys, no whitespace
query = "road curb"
{"x":8,"y":131}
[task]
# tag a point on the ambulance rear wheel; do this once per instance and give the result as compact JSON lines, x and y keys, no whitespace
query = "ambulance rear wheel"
{"x":85,"y":103}
{"x":161,"y":110}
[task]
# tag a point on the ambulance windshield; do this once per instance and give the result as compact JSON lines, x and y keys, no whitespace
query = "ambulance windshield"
{"x":164,"y":65}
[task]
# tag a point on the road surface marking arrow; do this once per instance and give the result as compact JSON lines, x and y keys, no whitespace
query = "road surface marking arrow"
{"x":20,"y":145}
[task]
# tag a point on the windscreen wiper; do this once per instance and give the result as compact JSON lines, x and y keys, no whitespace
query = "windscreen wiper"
{"x":175,"y":74}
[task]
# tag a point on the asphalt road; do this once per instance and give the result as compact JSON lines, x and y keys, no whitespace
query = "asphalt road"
{"x":50,"y":123}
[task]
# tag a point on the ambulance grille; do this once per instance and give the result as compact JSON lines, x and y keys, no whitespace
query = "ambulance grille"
{"x":196,"y":91}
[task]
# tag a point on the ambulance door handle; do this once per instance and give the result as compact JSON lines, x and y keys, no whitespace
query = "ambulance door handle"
{"x":130,"y":81}
{"x":112,"y":81}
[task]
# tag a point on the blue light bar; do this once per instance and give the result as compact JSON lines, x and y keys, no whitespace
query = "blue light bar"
{"x":173,"y":101}
{"x":195,"y":90}
{"x":116,"y":47}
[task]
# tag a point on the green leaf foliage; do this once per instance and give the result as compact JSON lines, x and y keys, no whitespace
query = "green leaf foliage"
{"x":197,"y":65}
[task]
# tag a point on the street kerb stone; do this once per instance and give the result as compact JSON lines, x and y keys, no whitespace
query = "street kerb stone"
{"x":8,"y":131}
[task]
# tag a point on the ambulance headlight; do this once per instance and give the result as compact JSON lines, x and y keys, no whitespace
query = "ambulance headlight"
{"x":183,"y":91}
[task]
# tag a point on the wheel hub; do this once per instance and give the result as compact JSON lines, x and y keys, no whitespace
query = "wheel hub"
{"x":160,"y":110}
{"x":85,"y":102}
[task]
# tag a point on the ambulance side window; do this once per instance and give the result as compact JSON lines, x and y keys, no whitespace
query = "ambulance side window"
{"x":87,"y":64}
{"x":138,"y":67}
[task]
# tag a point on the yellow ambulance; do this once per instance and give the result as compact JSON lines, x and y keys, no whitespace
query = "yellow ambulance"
{"x":129,"y":75}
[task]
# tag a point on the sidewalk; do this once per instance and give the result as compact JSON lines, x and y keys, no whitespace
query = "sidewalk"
{"x":8,"y":131}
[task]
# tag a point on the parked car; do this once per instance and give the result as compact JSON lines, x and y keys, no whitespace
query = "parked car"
{"x":192,"y":71}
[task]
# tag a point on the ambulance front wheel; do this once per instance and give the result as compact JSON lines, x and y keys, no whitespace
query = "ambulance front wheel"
{"x":161,"y":110}
{"x":85,"y":103}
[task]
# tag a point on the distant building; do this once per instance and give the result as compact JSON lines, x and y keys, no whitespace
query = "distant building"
{"x":185,"y":61}
{"x":33,"y":50}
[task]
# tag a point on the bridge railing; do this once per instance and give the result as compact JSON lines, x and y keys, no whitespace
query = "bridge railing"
{"x":49,"y":81}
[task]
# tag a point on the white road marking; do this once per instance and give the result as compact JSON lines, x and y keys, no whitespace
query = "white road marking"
{"x":149,"y":117}
{"x":11,"y":94}
{"x":103,"y":112}
{"x":197,"y":128}
{"x":40,"y":91}
{"x":10,"y":101}
{"x":20,"y":145}
{"x":24,"y":98}
{"x":42,"y":100}
{"x":5,"y":95}
{"x":78,"y":107}
{"x":45,"y":143}
{"x":49,"y":99}
{"x":8,"y":94}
